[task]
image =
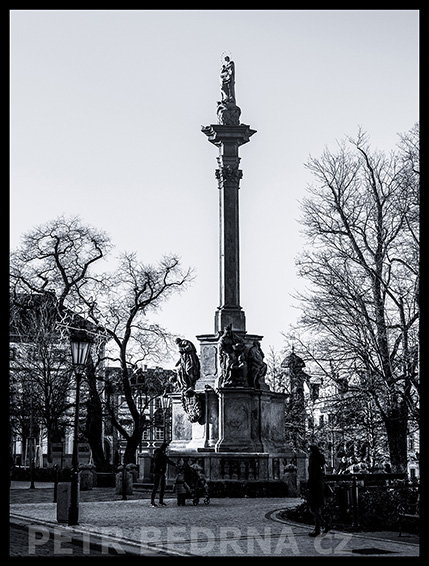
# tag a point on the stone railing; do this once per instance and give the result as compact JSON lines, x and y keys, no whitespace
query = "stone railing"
{"x":241,"y":467}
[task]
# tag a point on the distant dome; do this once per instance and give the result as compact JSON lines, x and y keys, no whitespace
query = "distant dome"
{"x":293,"y":361}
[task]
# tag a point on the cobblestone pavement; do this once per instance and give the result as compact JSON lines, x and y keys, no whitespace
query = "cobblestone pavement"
{"x":225,"y":527}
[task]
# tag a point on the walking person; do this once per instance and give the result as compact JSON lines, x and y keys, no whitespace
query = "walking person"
{"x":316,"y":489}
{"x":159,"y":467}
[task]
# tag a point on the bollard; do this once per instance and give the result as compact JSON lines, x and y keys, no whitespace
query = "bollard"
{"x":124,"y":483}
{"x":64,"y":500}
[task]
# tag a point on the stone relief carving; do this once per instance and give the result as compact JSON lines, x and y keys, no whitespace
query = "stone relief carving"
{"x":208,"y":360}
{"x":192,"y":405}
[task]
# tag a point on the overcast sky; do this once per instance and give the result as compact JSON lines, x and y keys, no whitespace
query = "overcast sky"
{"x":106,"y":114}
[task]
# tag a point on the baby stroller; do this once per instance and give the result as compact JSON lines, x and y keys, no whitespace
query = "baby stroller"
{"x":198,"y":485}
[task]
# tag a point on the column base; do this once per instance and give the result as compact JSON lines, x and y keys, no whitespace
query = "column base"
{"x":233,"y":316}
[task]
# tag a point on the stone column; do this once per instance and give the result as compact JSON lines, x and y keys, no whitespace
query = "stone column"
{"x":228,"y":138}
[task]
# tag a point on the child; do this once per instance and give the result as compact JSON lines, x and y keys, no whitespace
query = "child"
{"x":181,"y":486}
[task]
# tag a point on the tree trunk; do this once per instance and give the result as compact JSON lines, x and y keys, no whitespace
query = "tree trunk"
{"x":94,"y":434}
{"x":134,"y":441}
{"x":94,"y":422}
{"x":131,"y":449}
{"x":396,"y":428}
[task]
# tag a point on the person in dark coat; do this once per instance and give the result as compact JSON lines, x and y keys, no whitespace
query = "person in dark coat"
{"x":316,"y":488}
{"x":159,"y":467}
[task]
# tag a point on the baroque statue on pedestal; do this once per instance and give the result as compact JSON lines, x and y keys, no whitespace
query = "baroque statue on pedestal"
{"x":227,"y":81}
{"x":188,"y":373}
{"x":228,"y":112}
{"x":188,"y":365}
{"x":240,"y":366}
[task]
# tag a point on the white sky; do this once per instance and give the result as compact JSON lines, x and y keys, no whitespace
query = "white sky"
{"x":105,"y":120}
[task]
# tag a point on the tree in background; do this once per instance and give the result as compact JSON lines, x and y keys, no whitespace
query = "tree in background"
{"x":361,"y":221}
{"x":41,"y":377}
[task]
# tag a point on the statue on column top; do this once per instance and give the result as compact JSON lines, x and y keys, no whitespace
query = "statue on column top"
{"x":227,"y":80}
{"x":228,"y":112}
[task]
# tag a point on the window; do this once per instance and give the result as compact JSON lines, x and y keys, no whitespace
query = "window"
{"x":159,"y":433}
{"x":146,"y":434}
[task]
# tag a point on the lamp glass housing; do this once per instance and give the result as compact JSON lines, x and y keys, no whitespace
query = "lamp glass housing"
{"x":79,"y":348}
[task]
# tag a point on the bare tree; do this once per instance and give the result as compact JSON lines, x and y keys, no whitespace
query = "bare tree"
{"x":41,"y":370}
{"x":361,"y":221}
{"x":121,"y":304}
{"x":57,"y":258}
{"x":48,"y":275}
{"x":276,"y":376}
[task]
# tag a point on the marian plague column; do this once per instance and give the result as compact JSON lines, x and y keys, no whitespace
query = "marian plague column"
{"x":225,"y":412}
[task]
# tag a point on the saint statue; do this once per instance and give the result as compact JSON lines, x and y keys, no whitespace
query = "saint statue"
{"x":188,"y":364}
{"x":232,"y":358}
{"x":257,"y":366}
{"x":227,"y":81}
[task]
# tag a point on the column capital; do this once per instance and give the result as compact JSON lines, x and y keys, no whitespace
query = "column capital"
{"x":228,"y":174}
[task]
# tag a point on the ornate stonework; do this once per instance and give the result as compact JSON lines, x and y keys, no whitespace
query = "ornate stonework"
{"x":228,"y":174}
{"x":192,"y":405}
{"x":228,"y":114}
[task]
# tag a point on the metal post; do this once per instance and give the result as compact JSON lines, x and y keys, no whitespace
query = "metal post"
{"x":31,"y":443}
{"x":355,"y":501}
{"x":73,"y":516}
{"x":55,"y":482}
{"x":32,"y":466}
{"x":124,"y":479}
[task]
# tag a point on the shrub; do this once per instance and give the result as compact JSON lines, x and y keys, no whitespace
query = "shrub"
{"x":377,"y":509}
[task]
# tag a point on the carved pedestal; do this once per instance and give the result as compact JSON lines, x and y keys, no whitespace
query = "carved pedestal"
{"x":181,"y":429}
{"x":238,"y":421}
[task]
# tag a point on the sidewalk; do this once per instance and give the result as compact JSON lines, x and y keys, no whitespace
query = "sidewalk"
{"x":225,"y":527}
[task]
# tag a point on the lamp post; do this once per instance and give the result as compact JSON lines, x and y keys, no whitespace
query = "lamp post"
{"x":124,"y":478}
{"x":165,"y":402}
{"x":79,"y":342}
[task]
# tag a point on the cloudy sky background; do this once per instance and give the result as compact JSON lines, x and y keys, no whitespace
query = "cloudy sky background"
{"x":105,"y":122}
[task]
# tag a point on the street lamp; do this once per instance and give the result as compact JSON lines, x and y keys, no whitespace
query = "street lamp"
{"x":165,"y":402}
{"x":80,"y":343}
